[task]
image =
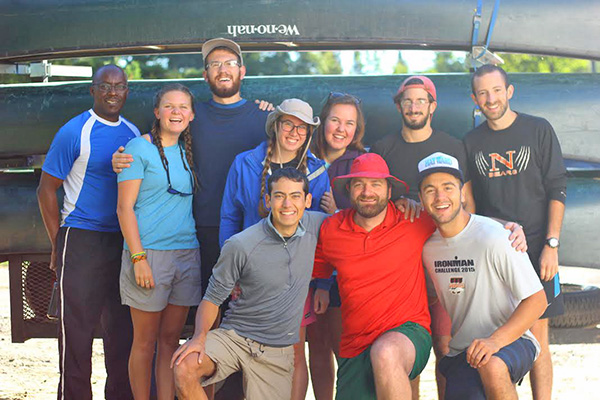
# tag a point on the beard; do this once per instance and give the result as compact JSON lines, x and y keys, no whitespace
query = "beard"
{"x":416,"y":125}
{"x":369,"y":211}
{"x":225,"y":92}
{"x":497,"y":114}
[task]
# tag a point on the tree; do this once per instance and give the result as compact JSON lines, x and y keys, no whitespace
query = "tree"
{"x":451,"y":62}
{"x":530,"y":63}
{"x":401,"y":67}
{"x":357,"y":65}
{"x":303,"y":63}
{"x":446,"y":61}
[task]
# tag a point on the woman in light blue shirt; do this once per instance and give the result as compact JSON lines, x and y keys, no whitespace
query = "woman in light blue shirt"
{"x":160,"y":271}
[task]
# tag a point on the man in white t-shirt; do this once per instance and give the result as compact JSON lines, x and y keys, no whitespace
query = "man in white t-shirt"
{"x":486,"y":286}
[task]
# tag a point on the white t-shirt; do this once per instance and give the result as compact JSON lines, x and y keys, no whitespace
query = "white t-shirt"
{"x":479,"y":278}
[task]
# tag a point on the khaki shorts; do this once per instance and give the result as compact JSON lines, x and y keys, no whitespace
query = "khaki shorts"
{"x":267,"y":371}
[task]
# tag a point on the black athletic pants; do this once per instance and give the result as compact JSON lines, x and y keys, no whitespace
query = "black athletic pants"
{"x":88,"y":267}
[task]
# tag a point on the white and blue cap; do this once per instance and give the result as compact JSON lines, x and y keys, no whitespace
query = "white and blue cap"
{"x":439,"y":162}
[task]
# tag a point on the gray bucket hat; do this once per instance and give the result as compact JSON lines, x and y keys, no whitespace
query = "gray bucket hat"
{"x":212,"y":44}
{"x":294,"y":107}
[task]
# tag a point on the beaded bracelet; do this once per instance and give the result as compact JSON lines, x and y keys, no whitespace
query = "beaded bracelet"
{"x":138,"y":257}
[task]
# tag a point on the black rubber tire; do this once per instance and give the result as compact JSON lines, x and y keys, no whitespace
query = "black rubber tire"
{"x":582,"y":307}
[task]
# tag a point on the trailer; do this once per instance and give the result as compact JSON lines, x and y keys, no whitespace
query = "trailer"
{"x":37,"y":31}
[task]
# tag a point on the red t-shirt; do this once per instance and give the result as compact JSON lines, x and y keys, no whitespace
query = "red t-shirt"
{"x":380,"y":274}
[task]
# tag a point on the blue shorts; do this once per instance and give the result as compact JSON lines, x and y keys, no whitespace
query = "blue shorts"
{"x":463,"y":381}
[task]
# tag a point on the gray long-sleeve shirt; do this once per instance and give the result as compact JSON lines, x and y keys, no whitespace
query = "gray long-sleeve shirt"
{"x":273,"y":275}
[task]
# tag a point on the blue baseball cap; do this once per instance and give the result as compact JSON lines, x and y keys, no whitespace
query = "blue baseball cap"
{"x":439,"y":162}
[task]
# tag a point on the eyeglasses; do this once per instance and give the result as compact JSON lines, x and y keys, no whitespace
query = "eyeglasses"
{"x":419,"y":103}
{"x":337,"y":95}
{"x":288,"y":126}
{"x":170,"y":188}
{"x":227,"y":64}
{"x":107,"y":87}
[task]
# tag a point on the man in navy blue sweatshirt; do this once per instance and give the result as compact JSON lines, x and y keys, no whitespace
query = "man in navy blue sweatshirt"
{"x":225,"y":126}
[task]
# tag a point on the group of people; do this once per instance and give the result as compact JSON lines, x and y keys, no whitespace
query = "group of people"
{"x":311,"y":237}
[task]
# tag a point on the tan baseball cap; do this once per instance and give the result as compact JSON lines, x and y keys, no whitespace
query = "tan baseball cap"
{"x":212,"y":44}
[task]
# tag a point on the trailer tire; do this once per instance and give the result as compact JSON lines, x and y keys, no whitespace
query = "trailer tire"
{"x":582,"y":307}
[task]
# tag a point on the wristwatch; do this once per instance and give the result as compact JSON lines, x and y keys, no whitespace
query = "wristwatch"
{"x":553,"y":243}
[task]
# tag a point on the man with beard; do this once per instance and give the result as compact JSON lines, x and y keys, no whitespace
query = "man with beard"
{"x":224,"y":126}
{"x":87,"y":247}
{"x":490,"y":291}
{"x":416,"y":100}
{"x":519,"y":175}
{"x":377,"y":254}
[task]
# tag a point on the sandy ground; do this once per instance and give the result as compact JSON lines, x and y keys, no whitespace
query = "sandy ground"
{"x":30,"y":370}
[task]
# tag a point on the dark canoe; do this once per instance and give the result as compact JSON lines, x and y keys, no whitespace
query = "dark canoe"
{"x":40,"y":29}
{"x":32,"y":113}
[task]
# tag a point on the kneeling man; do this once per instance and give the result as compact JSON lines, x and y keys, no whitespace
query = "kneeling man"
{"x":377,"y":254}
{"x":489,"y":290}
{"x":272,"y":263}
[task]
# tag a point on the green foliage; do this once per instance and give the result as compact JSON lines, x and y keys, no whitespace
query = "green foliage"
{"x":176,"y":66}
{"x":303,"y":63}
{"x":452,"y":62}
{"x":448,"y":62}
{"x":327,"y":63}
{"x":401,"y":67}
{"x":357,"y":65}
{"x":529,"y":63}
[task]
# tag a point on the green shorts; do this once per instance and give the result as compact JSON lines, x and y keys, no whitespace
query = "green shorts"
{"x":355,"y":375}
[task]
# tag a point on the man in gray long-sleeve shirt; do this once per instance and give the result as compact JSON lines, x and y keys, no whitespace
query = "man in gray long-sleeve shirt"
{"x":272,"y":262}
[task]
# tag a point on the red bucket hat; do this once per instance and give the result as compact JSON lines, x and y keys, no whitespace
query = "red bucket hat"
{"x":370,"y":165}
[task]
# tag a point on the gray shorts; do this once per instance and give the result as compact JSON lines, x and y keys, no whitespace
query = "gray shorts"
{"x":176,"y":276}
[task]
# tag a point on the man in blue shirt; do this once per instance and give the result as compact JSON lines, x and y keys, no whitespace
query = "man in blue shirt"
{"x":86,"y":239}
{"x":224,"y":126}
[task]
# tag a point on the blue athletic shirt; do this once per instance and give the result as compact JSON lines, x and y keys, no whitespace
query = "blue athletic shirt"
{"x":165,"y":220}
{"x":80,"y":155}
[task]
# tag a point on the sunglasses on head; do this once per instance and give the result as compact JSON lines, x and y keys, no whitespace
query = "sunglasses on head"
{"x":337,"y":95}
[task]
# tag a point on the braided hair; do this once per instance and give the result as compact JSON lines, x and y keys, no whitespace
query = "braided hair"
{"x":262,"y":208}
{"x":301,"y":160}
{"x":185,"y":137}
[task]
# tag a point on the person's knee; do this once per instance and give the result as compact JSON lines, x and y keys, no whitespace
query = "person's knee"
{"x":495,"y":371}
{"x":393,"y":349}
{"x":168,"y":339}
{"x":188,"y":371}
{"x":144,"y":344}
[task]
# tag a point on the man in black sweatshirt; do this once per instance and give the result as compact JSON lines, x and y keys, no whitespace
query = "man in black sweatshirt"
{"x":518,"y":175}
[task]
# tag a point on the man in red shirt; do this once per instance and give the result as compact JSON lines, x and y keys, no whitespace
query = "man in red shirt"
{"x":377,"y":254}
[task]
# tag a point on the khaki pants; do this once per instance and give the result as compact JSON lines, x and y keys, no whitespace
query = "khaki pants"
{"x":267,"y":371}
